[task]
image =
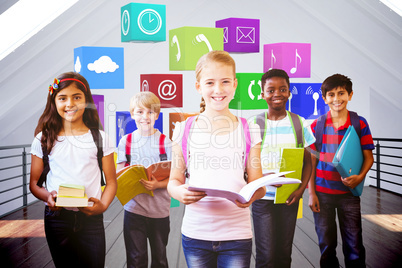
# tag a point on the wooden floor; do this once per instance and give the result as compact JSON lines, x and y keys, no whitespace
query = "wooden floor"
{"x":23,"y":244}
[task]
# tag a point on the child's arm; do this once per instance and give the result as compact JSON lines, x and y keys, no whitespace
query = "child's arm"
{"x":154,"y":183}
{"x":354,"y":180}
{"x":176,"y":185}
{"x":313,"y":202}
{"x":306,"y":174}
{"x":40,"y":192}
{"x":110,"y":189}
{"x":254,"y":171}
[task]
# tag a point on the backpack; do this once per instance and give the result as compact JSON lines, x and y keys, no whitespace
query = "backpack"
{"x":98,"y":141}
{"x":296,"y":122}
{"x":187,"y":128}
{"x":319,"y":128}
{"x":162,"y":151}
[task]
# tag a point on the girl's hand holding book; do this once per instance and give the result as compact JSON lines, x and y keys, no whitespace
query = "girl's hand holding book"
{"x":97,"y":208}
{"x":51,"y":201}
{"x":189,"y":197}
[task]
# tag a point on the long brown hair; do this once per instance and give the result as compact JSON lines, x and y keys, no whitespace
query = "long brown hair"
{"x":213,"y":56}
{"x":50,"y":122}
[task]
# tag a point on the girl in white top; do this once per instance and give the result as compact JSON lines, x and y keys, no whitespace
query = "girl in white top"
{"x":215,"y":231}
{"x":76,"y":236}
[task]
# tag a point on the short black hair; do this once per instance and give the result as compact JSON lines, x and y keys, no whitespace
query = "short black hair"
{"x":274,"y":73}
{"x":335,"y":81}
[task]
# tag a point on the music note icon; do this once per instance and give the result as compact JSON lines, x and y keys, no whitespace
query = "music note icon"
{"x":294,"y":69}
{"x":273,"y":59}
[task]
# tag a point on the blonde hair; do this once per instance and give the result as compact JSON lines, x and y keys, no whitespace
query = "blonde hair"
{"x":147,"y":100}
{"x":218,"y":56}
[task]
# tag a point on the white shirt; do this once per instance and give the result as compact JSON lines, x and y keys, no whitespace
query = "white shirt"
{"x":73,"y":159}
{"x":216,"y":161}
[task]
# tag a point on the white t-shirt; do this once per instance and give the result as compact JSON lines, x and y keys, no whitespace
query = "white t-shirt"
{"x":216,"y":161}
{"x":278,"y":135}
{"x":73,"y":160}
{"x":145,"y":151}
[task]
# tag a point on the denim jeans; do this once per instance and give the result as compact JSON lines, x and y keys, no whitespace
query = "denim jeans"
{"x":217,"y":254}
{"x":75,"y":239}
{"x":274,"y":228}
{"x":347,"y":207}
{"x":137,"y":229}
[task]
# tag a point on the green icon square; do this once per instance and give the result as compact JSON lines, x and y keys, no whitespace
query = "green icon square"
{"x":248,"y":92}
{"x":188,"y":44}
{"x":143,"y":23}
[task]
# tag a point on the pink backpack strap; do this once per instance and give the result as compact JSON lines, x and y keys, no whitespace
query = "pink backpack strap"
{"x":184,"y":141}
{"x":246,"y":132}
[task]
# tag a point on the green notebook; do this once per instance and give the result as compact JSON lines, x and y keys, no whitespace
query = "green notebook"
{"x":292,"y":160}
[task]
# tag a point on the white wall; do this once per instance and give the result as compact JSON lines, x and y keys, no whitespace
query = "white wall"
{"x":362,"y":39}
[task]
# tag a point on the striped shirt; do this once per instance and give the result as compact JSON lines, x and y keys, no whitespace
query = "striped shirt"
{"x":279,"y":134}
{"x":328,"y":180}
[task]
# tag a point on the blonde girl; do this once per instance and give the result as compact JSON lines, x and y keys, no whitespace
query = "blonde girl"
{"x":215,"y":231}
{"x":76,"y":236}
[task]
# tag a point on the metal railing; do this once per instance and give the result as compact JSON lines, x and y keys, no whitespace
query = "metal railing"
{"x":14,"y":178}
{"x":15,"y":163}
{"x":387,"y":164}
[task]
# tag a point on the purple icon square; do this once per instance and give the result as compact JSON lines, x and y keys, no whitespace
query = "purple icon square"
{"x":240,"y":35}
{"x":294,"y":58}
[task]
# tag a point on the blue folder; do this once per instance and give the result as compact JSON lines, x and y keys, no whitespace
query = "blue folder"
{"x":348,"y":159}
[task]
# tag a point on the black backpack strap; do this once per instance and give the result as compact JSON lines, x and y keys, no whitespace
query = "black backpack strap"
{"x":260,"y":121}
{"x":298,"y":129}
{"x":98,"y":141}
{"x":355,"y":122}
{"x":46,"y":168}
{"x":319,"y":132}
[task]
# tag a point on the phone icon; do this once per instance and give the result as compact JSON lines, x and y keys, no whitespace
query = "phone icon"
{"x":176,"y":41}
{"x":202,"y":38}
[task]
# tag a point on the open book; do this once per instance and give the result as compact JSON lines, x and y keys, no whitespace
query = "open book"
{"x":128,"y":179}
{"x":249,"y":189}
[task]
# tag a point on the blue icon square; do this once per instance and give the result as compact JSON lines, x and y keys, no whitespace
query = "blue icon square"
{"x":103,"y":67}
{"x":306,"y":100}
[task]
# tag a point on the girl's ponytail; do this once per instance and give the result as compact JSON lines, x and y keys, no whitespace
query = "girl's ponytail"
{"x":202,"y":105}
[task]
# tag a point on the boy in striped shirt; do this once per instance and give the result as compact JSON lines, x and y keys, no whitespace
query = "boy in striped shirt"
{"x":329,"y":193}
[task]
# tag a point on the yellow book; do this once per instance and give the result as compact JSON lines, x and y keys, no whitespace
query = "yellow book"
{"x":71,"y":190}
{"x":292,"y":160}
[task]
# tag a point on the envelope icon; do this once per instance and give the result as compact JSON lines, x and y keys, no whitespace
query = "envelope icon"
{"x":225,"y":35}
{"x":245,"y":35}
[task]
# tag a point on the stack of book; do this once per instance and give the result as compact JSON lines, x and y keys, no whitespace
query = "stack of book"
{"x":71,"y":195}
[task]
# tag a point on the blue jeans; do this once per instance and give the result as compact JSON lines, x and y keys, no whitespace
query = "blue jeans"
{"x":75,"y":239}
{"x":274,"y":228}
{"x":347,"y":207}
{"x":137,"y":229}
{"x":212,"y":254}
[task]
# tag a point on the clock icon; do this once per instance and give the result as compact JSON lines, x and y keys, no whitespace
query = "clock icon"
{"x":125,"y":22}
{"x":149,"y":21}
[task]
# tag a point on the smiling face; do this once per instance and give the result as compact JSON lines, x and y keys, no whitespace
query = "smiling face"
{"x":276,"y":93}
{"x":337,"y":99}
{"x":70,"y":104}
{"x":217,"y":85}
{"x":145,"y":120}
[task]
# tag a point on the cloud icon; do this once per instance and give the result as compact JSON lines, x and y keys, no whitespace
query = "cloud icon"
{"x":103,"y":65}
{"x":77,"y":65}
